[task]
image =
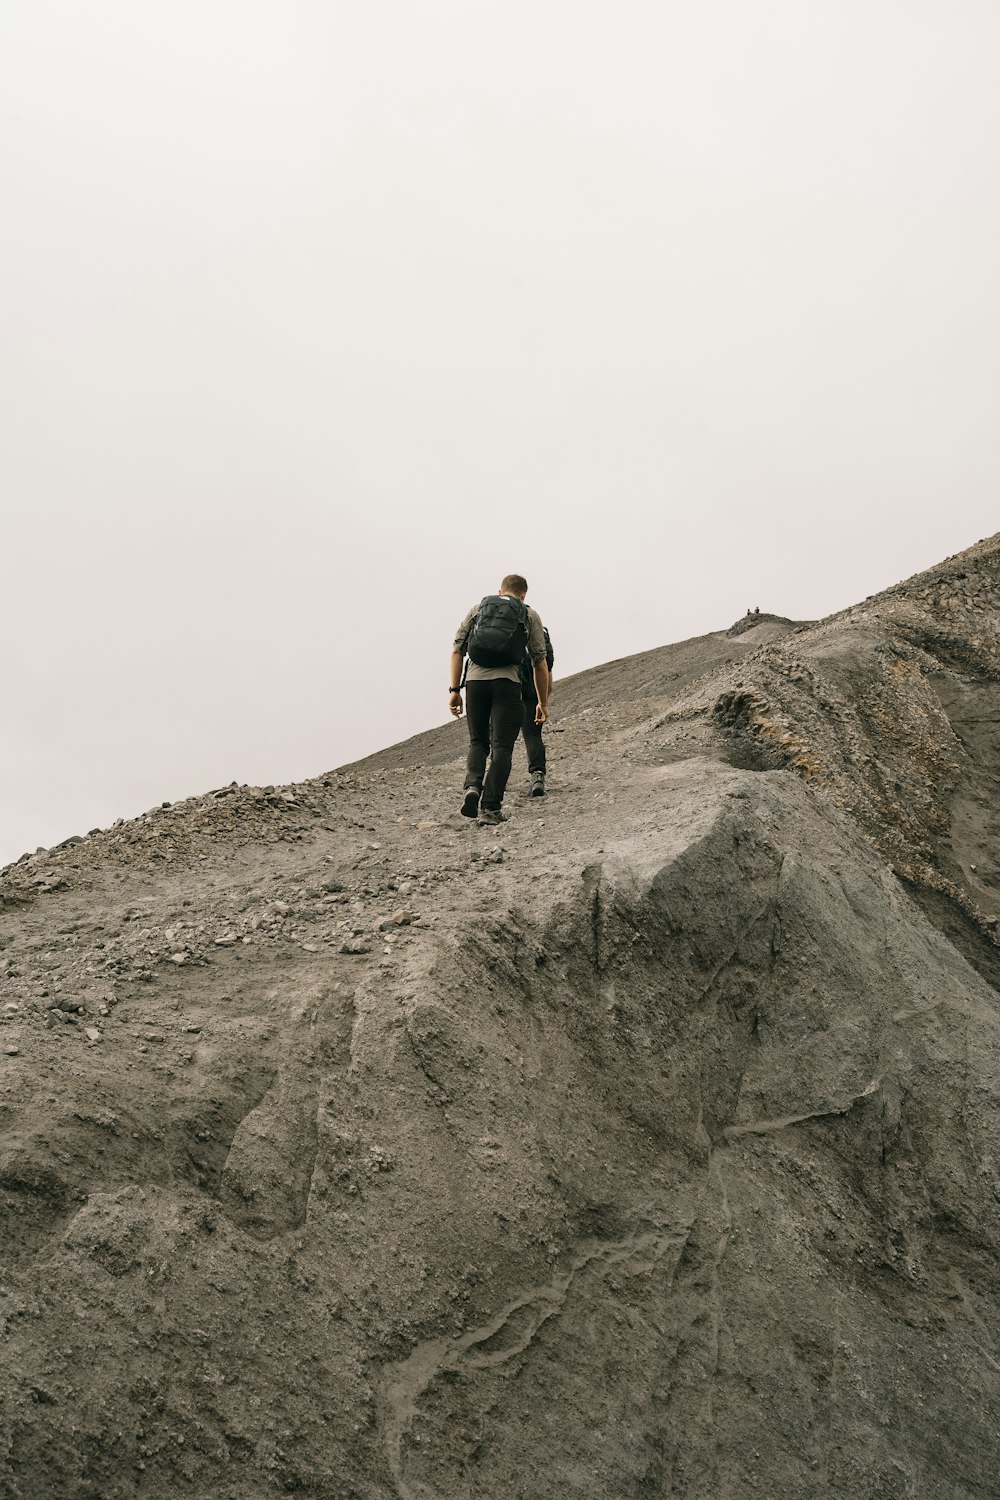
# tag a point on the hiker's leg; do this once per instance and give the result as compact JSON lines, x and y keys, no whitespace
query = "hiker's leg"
{"x":478,"y":702}
{"x":505,"y":722}
{"x":534,"y":744}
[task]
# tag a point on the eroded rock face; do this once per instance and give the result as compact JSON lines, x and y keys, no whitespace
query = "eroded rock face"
{"x":656,"y":1154}
{"x":783,"y":1224}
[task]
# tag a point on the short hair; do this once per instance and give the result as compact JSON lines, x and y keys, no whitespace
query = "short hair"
{"x":514,"y":584}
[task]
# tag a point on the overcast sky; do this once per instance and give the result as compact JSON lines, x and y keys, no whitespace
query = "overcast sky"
{"x":318,"y":317}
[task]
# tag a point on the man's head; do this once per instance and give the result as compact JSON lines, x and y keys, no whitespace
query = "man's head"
{"x":514,"y":584}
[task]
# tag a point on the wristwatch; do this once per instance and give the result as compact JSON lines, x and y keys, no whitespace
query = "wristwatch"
{"x":454,"y":690}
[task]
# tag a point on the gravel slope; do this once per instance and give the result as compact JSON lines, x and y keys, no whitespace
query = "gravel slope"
{"x":646,"y":1145}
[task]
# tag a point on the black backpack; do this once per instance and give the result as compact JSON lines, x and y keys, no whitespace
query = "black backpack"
{"x":498,"y":635}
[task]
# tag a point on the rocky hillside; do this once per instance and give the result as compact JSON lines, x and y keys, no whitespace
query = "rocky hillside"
{"x":644,"y":1146}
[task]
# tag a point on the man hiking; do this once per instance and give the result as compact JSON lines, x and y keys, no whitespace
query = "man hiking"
{"x":531,"y":729}
{"x":495,"y":635}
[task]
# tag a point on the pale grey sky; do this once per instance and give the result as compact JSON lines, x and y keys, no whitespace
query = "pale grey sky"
{"x":319,"y":317}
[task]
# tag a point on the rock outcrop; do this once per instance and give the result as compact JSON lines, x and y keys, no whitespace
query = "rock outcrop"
{"x":646,"y":1145}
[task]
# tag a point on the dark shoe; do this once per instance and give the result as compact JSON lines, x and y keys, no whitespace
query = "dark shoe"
{"x":470,"y":805}
{"x":537,"y":784}
{"x":491,"y":815}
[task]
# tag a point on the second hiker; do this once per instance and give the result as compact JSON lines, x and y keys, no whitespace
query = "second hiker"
{"x":495,"y":635}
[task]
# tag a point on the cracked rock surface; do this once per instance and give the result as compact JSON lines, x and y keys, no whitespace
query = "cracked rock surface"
{"x":645,"y":1145}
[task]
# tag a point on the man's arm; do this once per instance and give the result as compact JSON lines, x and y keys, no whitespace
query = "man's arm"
{"x":454,"y":678}
{"x":536,"y":650}
{"x":457,"y":657}
{"x":541,"y":674}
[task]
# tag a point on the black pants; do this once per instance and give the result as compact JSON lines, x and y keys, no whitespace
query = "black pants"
{"x":533,"y":742}
{"x":494,"y":711}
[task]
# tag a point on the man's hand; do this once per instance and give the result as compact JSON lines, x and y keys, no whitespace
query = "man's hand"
{"x":455,"y":705}
{"x":541,"y":714}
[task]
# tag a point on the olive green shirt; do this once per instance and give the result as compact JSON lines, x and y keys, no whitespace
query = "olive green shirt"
{"x":536,"y":648}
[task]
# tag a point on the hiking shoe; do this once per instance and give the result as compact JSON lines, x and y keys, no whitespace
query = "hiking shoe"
{"x":470,"y":804}
{"x":537,"y":784}
{"x":491,"y":815}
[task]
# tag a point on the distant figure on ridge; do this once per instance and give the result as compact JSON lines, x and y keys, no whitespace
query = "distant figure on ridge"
{"x":495,"y":634}
{"x":531,"y":728}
